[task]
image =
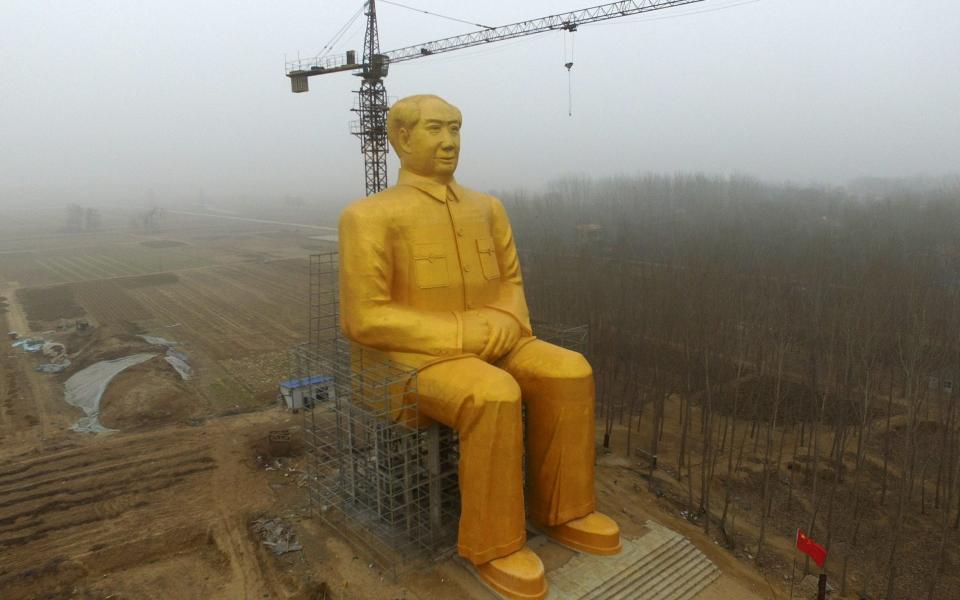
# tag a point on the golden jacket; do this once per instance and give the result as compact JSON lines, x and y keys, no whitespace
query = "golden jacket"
{"x":415,"y":257}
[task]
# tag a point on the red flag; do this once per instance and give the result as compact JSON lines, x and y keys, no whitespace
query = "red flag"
{"x":812,"y":549}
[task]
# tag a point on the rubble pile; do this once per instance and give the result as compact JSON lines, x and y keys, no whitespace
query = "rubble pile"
{"x":276,"y":535}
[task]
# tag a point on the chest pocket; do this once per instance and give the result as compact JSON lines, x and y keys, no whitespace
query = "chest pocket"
{"x":488,"y":258}
{"x":430,"y":265}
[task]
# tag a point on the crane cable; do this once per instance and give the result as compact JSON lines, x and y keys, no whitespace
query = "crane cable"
{"x":427,"y":12}
{"x":568,"y":63}
{"x":328,"y":47}
{"x":679,"y":15}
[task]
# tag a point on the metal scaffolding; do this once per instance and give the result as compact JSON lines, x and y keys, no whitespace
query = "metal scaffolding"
{"x":376,"y":473}
{"x":571,"y":337}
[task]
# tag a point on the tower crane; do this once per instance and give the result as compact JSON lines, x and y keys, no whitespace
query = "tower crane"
{"x":371,"y":127}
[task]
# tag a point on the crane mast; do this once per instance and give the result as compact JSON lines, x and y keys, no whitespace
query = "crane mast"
{"x":372,"y":95}
{"x":371,"y":128}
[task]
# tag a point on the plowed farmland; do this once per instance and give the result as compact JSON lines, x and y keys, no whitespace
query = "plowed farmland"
{"x":162,"y":507}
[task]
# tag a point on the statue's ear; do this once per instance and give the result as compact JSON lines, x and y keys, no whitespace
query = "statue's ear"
{"x":403,"y":137}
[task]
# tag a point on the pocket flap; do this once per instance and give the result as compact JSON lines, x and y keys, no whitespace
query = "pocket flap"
{"x":486,"y":250}
{"x":485,"y":246}
{"x":428,"y":251}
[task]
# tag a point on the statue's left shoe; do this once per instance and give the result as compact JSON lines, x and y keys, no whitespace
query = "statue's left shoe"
{"x":595,"y":533}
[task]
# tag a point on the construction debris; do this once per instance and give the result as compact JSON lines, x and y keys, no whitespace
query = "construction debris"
{"x":276,"y":535}
{"x":53,"y":349}
{"x":55,"y":367}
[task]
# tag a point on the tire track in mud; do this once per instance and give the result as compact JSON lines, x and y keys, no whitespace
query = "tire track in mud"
{"x":96,"y":491}
{"x":166,"y":505}
{"x":21,"y":414}
{"x":86,"y":475}
{"x":37,"y":529}
{"x":68,"y":452}
{"x":57,"y":505}
{"x":80,"y":464}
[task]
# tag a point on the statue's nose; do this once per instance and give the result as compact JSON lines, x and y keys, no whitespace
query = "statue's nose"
{"x":447,"y":141}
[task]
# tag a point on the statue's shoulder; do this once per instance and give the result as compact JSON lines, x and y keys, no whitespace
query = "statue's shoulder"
{"x":474,"y":195}
{"x":373,"y":206}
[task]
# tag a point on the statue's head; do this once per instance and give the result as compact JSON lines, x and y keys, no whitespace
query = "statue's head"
{"x":425,"y":133}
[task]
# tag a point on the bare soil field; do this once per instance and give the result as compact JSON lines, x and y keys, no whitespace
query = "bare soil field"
{"x":49,"y":304}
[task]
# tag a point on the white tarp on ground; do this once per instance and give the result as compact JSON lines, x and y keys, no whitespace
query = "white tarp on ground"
{"x":85,"y":388}
{"x":157,"y":341}
{"x":176,"y":359}
{"x":179,"y":363}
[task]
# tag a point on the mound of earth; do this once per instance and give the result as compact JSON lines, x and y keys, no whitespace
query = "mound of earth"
{"x":106,"y":342}
{"x":147,"y":395}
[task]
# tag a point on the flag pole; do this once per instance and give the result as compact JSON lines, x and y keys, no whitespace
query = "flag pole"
{"x":793,"y":576}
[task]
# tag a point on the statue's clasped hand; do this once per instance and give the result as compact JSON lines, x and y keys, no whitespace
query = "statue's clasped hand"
{"x":489,"y":333}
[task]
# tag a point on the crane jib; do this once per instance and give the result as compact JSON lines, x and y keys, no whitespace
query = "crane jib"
{"x":568,"y":21}
{"x":563,"y":21}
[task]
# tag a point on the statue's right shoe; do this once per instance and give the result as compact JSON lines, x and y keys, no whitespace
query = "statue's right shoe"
{"x":518,"y":576}
{"x":595,"y":533}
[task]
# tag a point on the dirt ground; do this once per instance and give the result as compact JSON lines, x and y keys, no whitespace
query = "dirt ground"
{"x":164,"y":507}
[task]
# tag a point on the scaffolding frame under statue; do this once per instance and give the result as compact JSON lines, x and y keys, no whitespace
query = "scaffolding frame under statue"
{"x":387,"y":484}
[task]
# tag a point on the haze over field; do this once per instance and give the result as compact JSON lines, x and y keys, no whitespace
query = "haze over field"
{"x":107,"y":101}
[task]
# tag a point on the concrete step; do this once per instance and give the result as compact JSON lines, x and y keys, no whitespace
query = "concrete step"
{"x":637,"y":568}
{"x":673,"y":585}
{"x":659,"y":565}
{"x":636,"y":580}
{"x":671,"y":574}
{"x":695,"y":585}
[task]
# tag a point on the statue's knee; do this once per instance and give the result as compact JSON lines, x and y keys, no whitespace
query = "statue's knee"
{"x":501,"y":391}
{"x":578,"y":367}
{"x":570,"y":365}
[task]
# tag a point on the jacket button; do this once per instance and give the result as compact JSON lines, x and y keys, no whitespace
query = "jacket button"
{"x":466,"y":268}
{"x":460,"y":231}
{"x":469,"y":304}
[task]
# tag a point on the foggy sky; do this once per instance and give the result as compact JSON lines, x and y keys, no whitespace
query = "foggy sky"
{"x":131,"y":101}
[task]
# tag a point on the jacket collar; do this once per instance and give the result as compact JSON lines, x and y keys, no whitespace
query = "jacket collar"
{"x":437,"y":191}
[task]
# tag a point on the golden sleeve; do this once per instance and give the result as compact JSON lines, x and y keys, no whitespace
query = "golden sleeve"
{"x":368,"y":314}
{"x":511,"y":299}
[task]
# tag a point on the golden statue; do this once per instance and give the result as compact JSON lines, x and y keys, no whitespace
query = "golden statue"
{"x":429,"y":277}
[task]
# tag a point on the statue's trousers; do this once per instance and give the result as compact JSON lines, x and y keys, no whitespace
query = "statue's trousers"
{"x":483,"y":403}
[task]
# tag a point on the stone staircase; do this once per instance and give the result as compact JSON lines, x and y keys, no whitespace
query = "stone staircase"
{"x":659,"y":565}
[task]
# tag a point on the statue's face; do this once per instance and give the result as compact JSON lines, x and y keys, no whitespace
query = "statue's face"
{"x":432,"y":147}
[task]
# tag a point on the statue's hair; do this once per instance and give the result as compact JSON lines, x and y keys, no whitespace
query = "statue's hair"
{"x":405,"y":114}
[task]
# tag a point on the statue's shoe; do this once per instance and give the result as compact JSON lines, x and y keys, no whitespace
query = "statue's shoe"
{"x":517,"y":576}
{"x":595,"y":533}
